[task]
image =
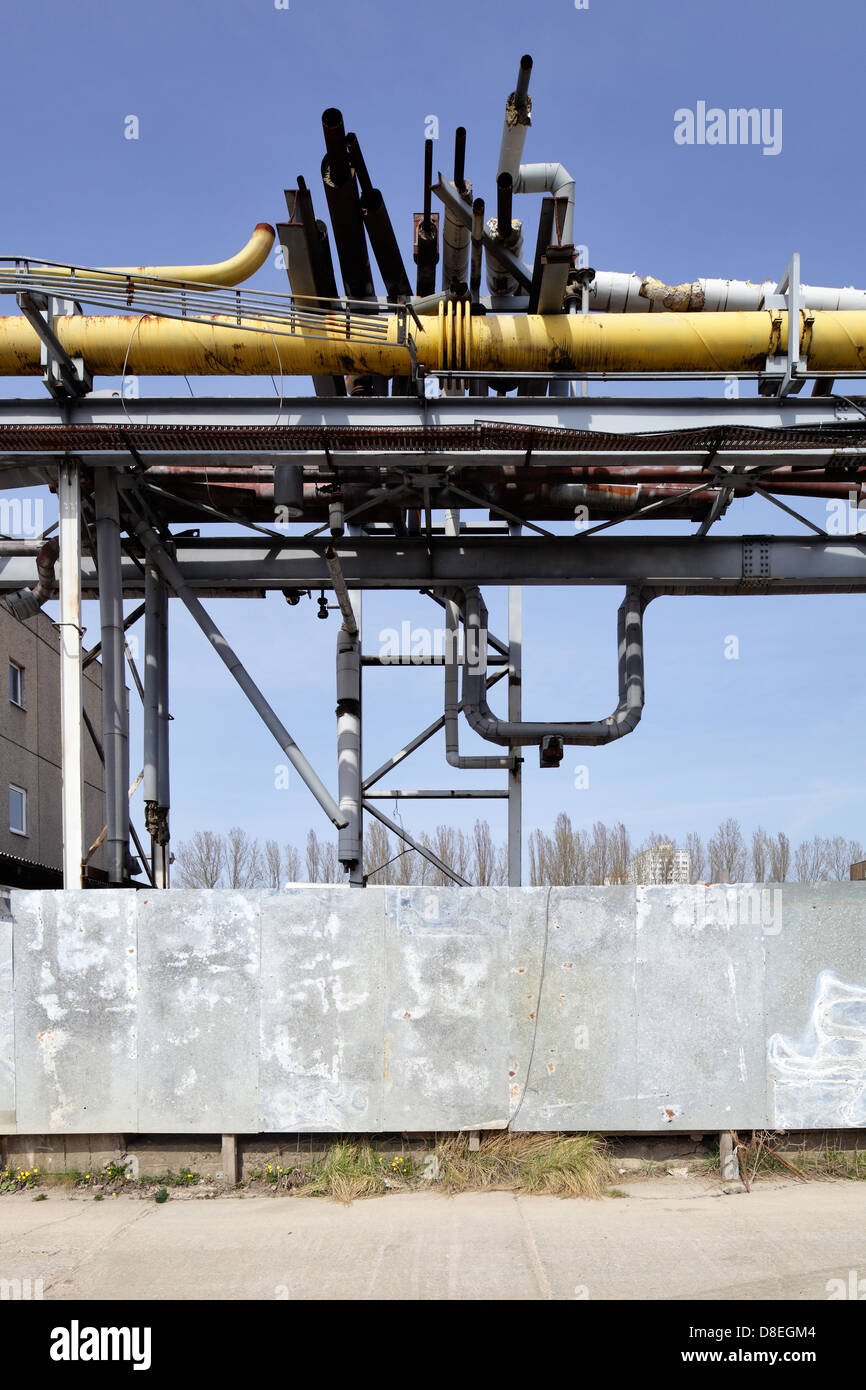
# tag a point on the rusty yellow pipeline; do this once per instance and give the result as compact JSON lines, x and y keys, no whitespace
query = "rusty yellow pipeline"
{"x":231,"y":272}
{"x":832,"y":341}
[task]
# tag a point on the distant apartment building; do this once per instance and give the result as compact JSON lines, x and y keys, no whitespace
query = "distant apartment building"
{"x":660,"y":864}
{"x":31,"y":821}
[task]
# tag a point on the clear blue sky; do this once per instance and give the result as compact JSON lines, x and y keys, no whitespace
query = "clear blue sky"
{"x":229,"y":97}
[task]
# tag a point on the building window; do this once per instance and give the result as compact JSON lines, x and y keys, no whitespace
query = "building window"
{"x":17,"y":810}
{"x":16,"y":684}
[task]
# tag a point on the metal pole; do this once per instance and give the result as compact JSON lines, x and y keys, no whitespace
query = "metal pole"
{"x":350,"y":848}
{"x":515,"y":670}
{"x":162,"y":869}
{"x":114,"y":725}
{"x":155,"y":726}
{"x":69,"y":503}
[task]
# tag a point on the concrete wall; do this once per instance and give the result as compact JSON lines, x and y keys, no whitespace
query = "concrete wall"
{"x":324,"y":1008}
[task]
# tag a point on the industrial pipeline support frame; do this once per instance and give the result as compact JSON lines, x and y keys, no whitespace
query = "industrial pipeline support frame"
{"x":38,"y":435}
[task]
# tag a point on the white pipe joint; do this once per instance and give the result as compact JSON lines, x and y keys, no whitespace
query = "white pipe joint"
{"x":554,"y":179}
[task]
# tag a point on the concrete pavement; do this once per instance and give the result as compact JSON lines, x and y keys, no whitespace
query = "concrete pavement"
{"x":669,"y":1239}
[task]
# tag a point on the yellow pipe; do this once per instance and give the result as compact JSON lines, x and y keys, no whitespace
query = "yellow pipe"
{"x":231,"y":272}
{"x":835,"y":341}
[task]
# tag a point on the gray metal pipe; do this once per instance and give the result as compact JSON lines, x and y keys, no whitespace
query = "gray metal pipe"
{"x":169,"y":571}
{"x":335,"y":570}
{"x":517,"y":121}
{"x":26,"y":603}
{"x":114,"y":717}
{"x":350,"y":842}
{"x":453,"y":756}
{"x":625,"y":717}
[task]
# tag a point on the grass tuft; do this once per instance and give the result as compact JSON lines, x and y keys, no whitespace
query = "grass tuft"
{"x":568,"y":1165}
{"x":346,"y":1172}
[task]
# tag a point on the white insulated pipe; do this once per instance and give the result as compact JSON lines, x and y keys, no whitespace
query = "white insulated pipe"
{"x":614,"y":292}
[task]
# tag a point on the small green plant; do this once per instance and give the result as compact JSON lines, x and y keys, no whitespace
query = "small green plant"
{"x":17,"y":1179}
{"x":161,"y":1195}
{"x":616,"y":1192}
{"x":115,"y":1172}
{"x":40,"y":1197}
{"x":97,"y":1196}
{"x":400,"y":1166}
{"x":185,"y":1178}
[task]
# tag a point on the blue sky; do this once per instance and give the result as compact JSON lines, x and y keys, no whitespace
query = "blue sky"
{"x":229,"y":98}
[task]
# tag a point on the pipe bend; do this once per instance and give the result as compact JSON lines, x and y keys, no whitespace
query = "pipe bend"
{"x":622,"y":721}
{"x":555,"y":180}
{"x":26,"y":603}
{"x":230,"y":272}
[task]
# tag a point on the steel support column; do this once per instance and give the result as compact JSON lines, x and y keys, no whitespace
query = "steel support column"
{"x":156,"y":799}
{"x":72,"y":766}
{"x":114,"y":716}
{"x":515,"y":677}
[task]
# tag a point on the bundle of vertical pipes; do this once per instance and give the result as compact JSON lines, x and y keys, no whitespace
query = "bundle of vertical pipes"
{"x":527,"y":324}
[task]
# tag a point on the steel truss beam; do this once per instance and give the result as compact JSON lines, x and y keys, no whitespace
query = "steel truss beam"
{"x":677,"y":564}
{"x":565,"y":412}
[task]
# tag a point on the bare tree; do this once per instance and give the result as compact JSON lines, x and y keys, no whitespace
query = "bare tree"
{"x":697,"y":857}
{"x":598,"y":854}
{"x":200,"y":860}
{"x":291,"y":864}
{"x":727,"y":853}
{"x":810,"y":860}
{"x":485,"y":859}
{"x":454,"y":849}
{"x":619,"y":845}
{"x":760,"y":854}
{"x":841,"y":854}
{"x":243,"y":860}
{"x":379,"y":852}
{"x":539,"y":866}
{"x":273,"y":864}
{"x":779,"y":851}
{"x":322,"y":863}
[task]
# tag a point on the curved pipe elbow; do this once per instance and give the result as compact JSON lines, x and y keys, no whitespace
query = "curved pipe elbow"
{"x":555,"y":180}
{"x":231,"y":272}
{"x":26,"y":603}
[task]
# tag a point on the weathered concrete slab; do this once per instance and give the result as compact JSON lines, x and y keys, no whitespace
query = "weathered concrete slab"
{"x":75,"y":976}
{"x":198,"y":1045}
{"x":445,"y":1024}
{"x":574,"y":1008}
{"x":324,"y":1008}
{"x":700,"y":1039}
{"x":322,"y":999}
{"x":816,"y":1008}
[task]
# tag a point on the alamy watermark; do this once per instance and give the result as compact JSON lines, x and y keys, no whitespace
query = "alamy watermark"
{"x":713,"y":125}
{"x":730,"y":905}
{"x":417,"y":646}
{"x":847,"y":517}
{"x":22,"y":517}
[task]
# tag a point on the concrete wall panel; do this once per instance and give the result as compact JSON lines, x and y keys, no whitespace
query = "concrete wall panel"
{"x":75,"y":984}
{"x":326,"y":1008}
{"x":321,"y":1010}
{"x":198,"y":1014}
